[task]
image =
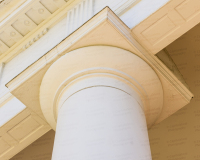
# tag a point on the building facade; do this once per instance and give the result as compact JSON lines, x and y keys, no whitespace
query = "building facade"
{"x":105,"y":75}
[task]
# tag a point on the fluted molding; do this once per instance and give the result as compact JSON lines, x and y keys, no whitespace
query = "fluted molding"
{"x":36,"y":38}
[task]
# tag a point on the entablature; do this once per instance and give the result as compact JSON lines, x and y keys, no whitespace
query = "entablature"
{"x":32,"y":19}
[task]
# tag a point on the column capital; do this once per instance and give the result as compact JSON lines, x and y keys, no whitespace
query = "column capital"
{"x":105,"y":29}
{"x":101,"y":61}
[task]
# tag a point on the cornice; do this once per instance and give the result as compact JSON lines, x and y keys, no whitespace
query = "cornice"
{"x":127,"y":5}
{"x":4,"y":99}
{"x":36,"y":38}
{"x":20,"y":14}
{"x":7,"y":7}
{"x":9,"y":49}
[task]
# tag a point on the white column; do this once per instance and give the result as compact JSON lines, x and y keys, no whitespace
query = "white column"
{"x":98,"y":99}
{"x":101,"y":119}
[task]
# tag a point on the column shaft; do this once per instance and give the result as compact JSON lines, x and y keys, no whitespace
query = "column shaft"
{"x":101,"y":123}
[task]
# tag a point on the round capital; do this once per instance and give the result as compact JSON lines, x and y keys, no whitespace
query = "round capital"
{"x":94,"y":66}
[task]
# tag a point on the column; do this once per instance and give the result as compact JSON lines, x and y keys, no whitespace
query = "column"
{"x":101,"y":101}
{"x":101,"y":121}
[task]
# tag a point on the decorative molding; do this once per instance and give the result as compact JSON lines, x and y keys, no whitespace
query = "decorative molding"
{"x":126,"y":6}
{"x":5,"y":98}
{"x":36,"y":38}
{"x":84,"y":10}
{"x":79,"y":14}
{"x":26,"y":22}
{"x":32,"y":24}
{"x":1,"y":69}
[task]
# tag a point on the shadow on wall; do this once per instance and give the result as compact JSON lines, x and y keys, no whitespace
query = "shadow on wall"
{"x":178,"y":137}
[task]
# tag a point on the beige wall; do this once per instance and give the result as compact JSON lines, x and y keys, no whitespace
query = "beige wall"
{"x":178,"y":137}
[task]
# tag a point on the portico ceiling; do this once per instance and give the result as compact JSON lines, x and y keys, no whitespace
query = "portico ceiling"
{"x":21,"y":28}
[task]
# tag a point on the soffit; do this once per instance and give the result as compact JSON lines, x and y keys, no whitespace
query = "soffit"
{"x":21,"y":131}
{"x":178,"y":137}
{"x":26,"y":24}
{"x":41,"y":149}
{"x":27,"y":21}
{"x":167,"y":24}
{"x":9,"y":6}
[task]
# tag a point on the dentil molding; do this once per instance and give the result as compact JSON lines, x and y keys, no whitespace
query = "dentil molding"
{"x":31,"y":18}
